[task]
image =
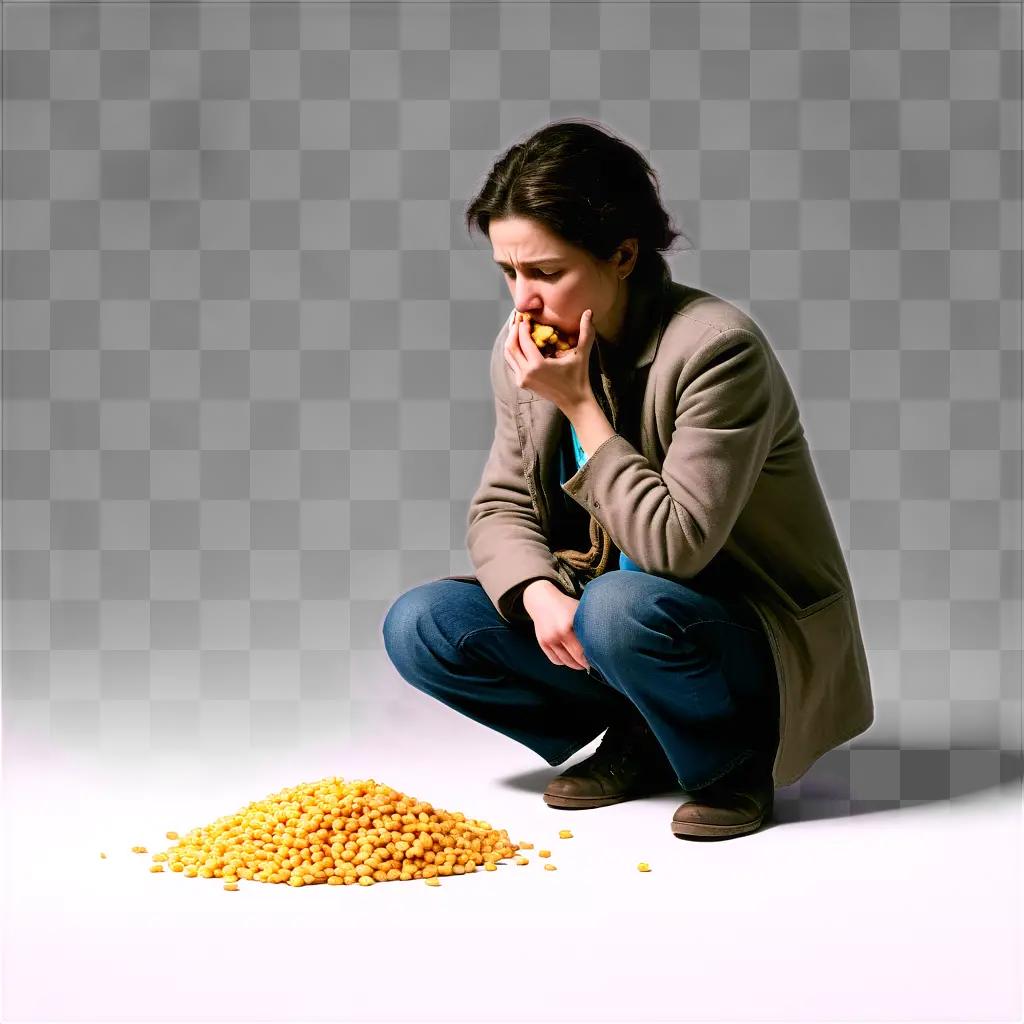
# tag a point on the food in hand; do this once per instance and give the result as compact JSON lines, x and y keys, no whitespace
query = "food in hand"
{"x":548,"y":339}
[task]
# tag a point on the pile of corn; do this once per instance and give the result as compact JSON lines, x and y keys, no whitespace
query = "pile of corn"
{"x":341,"y":833}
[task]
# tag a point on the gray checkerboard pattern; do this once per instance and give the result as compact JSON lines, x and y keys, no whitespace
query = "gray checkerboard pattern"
{"x":246,"y":336}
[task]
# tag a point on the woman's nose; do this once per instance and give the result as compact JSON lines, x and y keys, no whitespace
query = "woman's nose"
{"x":524,"y":297}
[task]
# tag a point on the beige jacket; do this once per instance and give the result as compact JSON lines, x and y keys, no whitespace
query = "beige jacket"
{"x":720,"y":493}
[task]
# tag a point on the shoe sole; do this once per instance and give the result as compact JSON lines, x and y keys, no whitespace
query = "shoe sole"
{"x":706,"y":830}
{"x":570,"y":803}
{"x":579,"y":803}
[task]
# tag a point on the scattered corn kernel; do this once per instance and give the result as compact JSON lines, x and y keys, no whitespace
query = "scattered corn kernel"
{"x":231,"y":886}
{"x":522,"y":860}
{"x":525,"y":846}
{"x":565,"y":834}
{"x":490,"y":866}
{"x":433,"y":881}
{"x":171,"y":835}
{"x":643,"y":866}
{"x":543,"y":853}
{"x":139,"y":849}
{"x":550,"y":867}
{"x":103,"y":856}
{"x":156,"y":867}
{"x":338,"y":833}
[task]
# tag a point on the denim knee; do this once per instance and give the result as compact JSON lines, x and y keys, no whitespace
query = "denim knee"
{"x":401,"y":622}
{"x":601,"y":607}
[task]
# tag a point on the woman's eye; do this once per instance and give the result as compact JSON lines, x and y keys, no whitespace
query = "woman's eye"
{"x":540,"y":273}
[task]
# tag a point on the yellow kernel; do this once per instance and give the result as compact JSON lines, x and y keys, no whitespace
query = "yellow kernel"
{"x":366,"y":880}
{"x":550,"y":867}
{"x":490,"y":866}
{"x":139,"y":849}
{"x":643,"y":866}
{"x":159,"y":857}
{"x":526,"y":846}
{"x":565,"y":834}
{"x":522,"y":860}
{"x":171,"y":835}
{"x":177,"y":866}
{"x":231,"y":886}
{"x":156,"y":867}
{"x":103,"y":856}
{"x":543,"y":853}
{"x":432,"y":881}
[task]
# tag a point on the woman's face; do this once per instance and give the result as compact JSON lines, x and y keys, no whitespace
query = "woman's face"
{"x":555,"y":281}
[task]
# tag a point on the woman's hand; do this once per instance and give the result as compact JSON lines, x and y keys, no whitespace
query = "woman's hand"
{"x":552,"y":612}
{"x":564,"y":378}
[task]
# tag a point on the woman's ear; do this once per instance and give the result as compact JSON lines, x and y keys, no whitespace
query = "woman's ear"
{"x":626,"y":255}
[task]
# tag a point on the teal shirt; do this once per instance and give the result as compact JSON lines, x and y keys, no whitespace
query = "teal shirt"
{"x":581,"y":457}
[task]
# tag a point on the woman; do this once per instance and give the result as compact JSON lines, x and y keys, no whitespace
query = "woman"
{"x":654,"y":555}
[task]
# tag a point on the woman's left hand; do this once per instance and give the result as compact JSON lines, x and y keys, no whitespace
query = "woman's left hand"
{"x":563,"y":378}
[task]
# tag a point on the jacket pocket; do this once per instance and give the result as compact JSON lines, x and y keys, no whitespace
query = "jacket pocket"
{"x":794,"y":608}
{"x":820,"y":606}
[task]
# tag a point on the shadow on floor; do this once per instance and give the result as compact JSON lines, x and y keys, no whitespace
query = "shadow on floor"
{"x":865,"y":779}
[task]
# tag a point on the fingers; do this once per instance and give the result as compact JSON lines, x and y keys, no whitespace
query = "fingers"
{"x":581,"y":658}
{"x":561,"y":654}
{"x":511,"y":344}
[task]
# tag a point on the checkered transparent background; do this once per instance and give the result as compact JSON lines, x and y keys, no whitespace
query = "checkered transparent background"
{"x":246,"y":336}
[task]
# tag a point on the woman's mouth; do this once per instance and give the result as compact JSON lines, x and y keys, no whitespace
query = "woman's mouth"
{"x":548,"y":338}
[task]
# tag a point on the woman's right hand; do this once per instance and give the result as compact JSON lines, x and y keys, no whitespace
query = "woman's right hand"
{"x":552,"y":612}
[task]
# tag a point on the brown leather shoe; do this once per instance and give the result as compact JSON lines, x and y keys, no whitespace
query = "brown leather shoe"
{"x":629,"y":763}
{"x":734,"y":805}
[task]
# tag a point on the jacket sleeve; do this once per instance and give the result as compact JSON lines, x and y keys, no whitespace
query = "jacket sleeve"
{"x":674,"y":522}
{"x":505,"y":542}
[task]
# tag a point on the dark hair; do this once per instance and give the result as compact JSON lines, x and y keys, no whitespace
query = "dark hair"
{"x":583,"y":184}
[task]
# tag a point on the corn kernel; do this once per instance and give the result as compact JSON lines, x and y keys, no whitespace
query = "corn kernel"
{"x":543,"y":853}
{"x":490,"y":866}
{"x":171,"y":835}
{"x":550,"y":867}
{"x":526,"y":846}
{"x":522,"y":860}
{"x":433,"y":881}
{"x":156,"y":867}
{"x":139,"y":849}
{"x":643,"y":866}
{"x":565,"y":834}
{"x":103,"y":856}
{"x":231,"y":886}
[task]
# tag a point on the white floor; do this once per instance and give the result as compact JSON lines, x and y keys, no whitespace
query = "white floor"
{"x":911,"y":914}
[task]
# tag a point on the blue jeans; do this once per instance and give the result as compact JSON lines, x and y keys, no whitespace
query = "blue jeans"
{"x":698,"y":668}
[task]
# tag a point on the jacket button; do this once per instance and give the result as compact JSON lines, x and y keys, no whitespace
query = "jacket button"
{"x":597,"y":504}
